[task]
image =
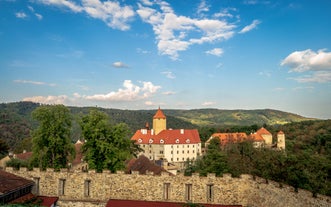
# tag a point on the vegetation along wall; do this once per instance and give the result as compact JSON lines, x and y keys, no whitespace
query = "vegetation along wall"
{"x":94,"y":189}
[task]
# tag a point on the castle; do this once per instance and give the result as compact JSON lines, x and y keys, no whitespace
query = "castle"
{"x":171,"y":145}
{"x":261,"y":138}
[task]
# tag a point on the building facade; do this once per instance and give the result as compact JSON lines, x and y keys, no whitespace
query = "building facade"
{"x":261,"y":138}
{"x":172,"y":145}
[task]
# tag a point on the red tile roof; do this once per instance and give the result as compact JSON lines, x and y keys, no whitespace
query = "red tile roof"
{"x":143,"y":164}
{"x":40,"y":200}
{"x":159,"y":114}
{"x":79,"y":153}
{"x":169,"y":136}
{"x":226,"y":138}
{"x":23,"y":156}
{"x":280,"y":132}
{"x":10,"y":182}
{"x":263,"y":131}
{"x":132,"y":203}
{"x":256,"y":137}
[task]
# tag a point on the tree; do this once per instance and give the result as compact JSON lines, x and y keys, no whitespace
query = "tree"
{"x":107,"y":146}
{"x":214,"y":161}
{"x":3,"y":148}
{"x":51,"y":144}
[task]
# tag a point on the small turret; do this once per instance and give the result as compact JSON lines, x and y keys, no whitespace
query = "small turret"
{"x":281,"y":140}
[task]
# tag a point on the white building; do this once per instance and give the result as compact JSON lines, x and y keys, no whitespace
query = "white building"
{"x":173,"y":145}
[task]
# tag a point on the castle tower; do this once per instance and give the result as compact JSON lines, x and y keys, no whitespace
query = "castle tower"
{"x":281,"y":140}
{"x":159,"y":121}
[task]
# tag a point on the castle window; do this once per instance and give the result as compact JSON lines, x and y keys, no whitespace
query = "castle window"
{"x":177,"y":152}
{"x":183,"y":151}
{"x":62,"y":183}
{"x":188,"y":192}
{"x":87,"y":186}
{"x":35,"y":189}
{"x":166,"y":191}
{"x":188,"y":151}
{"x":177,"y":159}
{"x":171,"y":152}
{"x":161,"y":152}
{"x":210,"y":193}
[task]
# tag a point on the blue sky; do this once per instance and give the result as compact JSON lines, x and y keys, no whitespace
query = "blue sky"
{"x":226,"y":54}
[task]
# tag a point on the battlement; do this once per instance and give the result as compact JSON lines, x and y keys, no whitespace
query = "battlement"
{"x":92,"y":186}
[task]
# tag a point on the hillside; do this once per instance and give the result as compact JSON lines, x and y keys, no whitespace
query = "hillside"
{"x":16,"y":121}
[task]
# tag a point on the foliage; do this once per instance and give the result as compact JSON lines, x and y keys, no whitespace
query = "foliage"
{"x":52,"y":146}
{"x":214,"y":161}
{"x":16,"y":121}
{"x":107,"y":146}
{"x":17,"y":163}
{"x":3,"y":148}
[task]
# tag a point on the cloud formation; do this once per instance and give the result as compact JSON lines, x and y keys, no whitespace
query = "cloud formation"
{"x":21,"y":15}
{"x":168,"y":74}
{"x":177,"y":33}
{"x":317,"y":63}
{"x":62,"y":99}
{"x":110,"y":12}
{"x":250,"y":27}
{"x":119,"y":65}
{"x":129,"y":92}
{"x":34,"y":82}
{"x":208,"y":103}
{"x":216,"y":51}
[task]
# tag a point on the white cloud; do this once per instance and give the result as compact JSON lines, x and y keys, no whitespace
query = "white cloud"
{"x":34,"y":82}
{"x":63,"y":3}
{"x":129,"y":92}
{"x":169,"y":93}
{"x":21,"y":15}
{"x":300,"y":61}
{"x":177,"y":33}
{"x":250,"y":27}
{"x":216,"y":51}
{"x":168,"y":74}
{"x":318,"y":77}
{"x":225,"y":13}
{"x":203,"y":7}
{"x":119,"y":65}
{"x":110,"y":12}
{"x":39,"y":16}
{"x":317,"y":63}
{"x":208,"y":103}
{"x":62,"y":99}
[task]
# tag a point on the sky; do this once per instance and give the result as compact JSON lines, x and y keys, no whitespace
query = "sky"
{"x":187,"y":54}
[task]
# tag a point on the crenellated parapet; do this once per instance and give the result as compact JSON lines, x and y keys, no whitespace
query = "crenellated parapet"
{"x":96,"y":187}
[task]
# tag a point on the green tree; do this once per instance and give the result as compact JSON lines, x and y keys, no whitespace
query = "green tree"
{"x":3,"y":148}
{"x":214,"y":161}
{"x":107,"y":146}
{"x":51,"y":144}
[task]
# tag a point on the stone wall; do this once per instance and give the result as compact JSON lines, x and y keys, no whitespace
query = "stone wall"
{"x":226,"y":190}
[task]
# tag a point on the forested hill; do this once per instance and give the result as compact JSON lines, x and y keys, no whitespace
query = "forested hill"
{"x":16,"y":121}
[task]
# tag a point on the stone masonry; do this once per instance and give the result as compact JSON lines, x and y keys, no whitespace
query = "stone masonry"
{"x":93,"y":189}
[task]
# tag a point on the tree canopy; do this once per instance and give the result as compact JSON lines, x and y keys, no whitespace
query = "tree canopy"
{"x":106,"y":146}
{"x":52,"y":146}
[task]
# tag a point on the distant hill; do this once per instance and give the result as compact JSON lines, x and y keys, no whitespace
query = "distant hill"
{"x":16,"y":121}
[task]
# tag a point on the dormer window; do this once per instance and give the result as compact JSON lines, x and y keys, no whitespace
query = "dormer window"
{"x":150,"y":141}
{"x":177,"y":141}
{"x":187,"y":140}
{"x":161,"y":141}
{"x":140,"y":140}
